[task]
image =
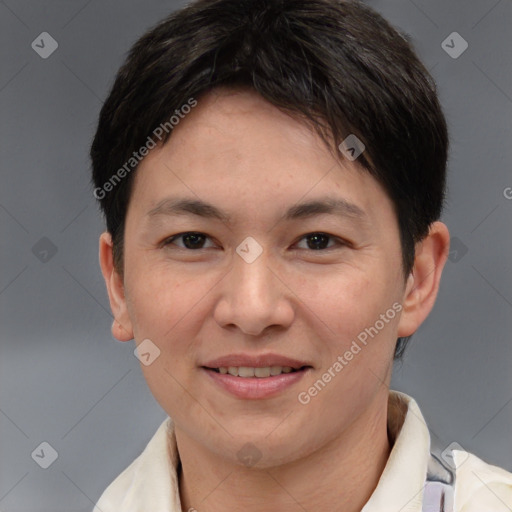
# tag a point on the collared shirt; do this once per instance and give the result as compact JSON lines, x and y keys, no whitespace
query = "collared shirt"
{"x":150,"y":482}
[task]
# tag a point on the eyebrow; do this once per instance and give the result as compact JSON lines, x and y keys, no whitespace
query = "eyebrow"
{"x":324,"y":205}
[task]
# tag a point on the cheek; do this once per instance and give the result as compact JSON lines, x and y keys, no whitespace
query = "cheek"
{"x":169,"y":308}
{"x":356,"y":344}
{"x":163,"y":307}
{"x":343,"y":300}
{"x":160,"y":298}
{"x":346,"y":307}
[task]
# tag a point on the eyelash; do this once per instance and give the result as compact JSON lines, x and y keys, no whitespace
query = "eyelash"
{"x":339,"y":241}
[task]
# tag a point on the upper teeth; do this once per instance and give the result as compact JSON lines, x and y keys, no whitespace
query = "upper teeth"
{"x":246,"y":371}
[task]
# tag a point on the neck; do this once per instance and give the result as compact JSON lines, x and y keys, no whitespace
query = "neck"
{"x":341,"y":475}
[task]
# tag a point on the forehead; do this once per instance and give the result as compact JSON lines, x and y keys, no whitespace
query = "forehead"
{"x":242,"y":121}
{"x":235,"y":147}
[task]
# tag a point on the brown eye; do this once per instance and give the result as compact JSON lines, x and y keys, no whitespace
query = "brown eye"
{"x":319,"y":241}
{"x":190,"y":240}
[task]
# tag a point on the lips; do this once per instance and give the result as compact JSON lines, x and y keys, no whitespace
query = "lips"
{"x":259,"y":361}
{"x":247,"y":372}
{"x":255,"y":377}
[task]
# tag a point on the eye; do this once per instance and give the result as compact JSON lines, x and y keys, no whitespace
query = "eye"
{"x":191,"y":240}
{"x":319,"y":241}
{"x":194,"y":240}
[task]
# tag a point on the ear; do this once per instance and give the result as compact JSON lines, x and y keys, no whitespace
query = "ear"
{"x":423,"y":281}
{"x":122,"y":326}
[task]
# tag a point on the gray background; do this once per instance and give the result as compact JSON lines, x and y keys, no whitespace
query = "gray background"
{"x":64,"y":380}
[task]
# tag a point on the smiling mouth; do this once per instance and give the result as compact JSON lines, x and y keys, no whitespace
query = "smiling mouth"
{"x":248,"y":372}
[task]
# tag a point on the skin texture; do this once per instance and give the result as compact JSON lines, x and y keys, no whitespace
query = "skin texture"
{"x":241,"y":154}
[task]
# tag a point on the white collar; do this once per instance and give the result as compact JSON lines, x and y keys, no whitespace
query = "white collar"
{"x":400,"y":486}
{"x":150,"y":482}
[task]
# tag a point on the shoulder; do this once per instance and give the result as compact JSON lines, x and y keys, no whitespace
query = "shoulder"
{"x":118,"y":489}
{"x":149,"y":479}
{"x":480,"y":486}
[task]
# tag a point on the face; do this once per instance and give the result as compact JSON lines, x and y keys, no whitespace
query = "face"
{"x":248,"y":244}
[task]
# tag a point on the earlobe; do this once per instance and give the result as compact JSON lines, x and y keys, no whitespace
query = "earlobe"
{"x":120,"y":333}
{"x":121,"y":327}
{"x":423,"y":283}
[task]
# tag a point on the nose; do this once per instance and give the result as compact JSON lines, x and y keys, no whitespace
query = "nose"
{"x":254,"y":298}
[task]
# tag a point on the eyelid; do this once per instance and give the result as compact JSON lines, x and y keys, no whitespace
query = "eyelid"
{"x":339,"y":242}
{"x":170,"y":240}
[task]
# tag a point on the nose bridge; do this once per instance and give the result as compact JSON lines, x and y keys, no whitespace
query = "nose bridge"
{"x":252,"y":283}
{"x":253,"y":298}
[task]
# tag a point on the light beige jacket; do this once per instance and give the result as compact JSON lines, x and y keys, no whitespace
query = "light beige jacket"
{"x":150,"y":482}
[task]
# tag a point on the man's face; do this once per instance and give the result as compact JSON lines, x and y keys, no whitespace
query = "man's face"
{"x":321,"y":280}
